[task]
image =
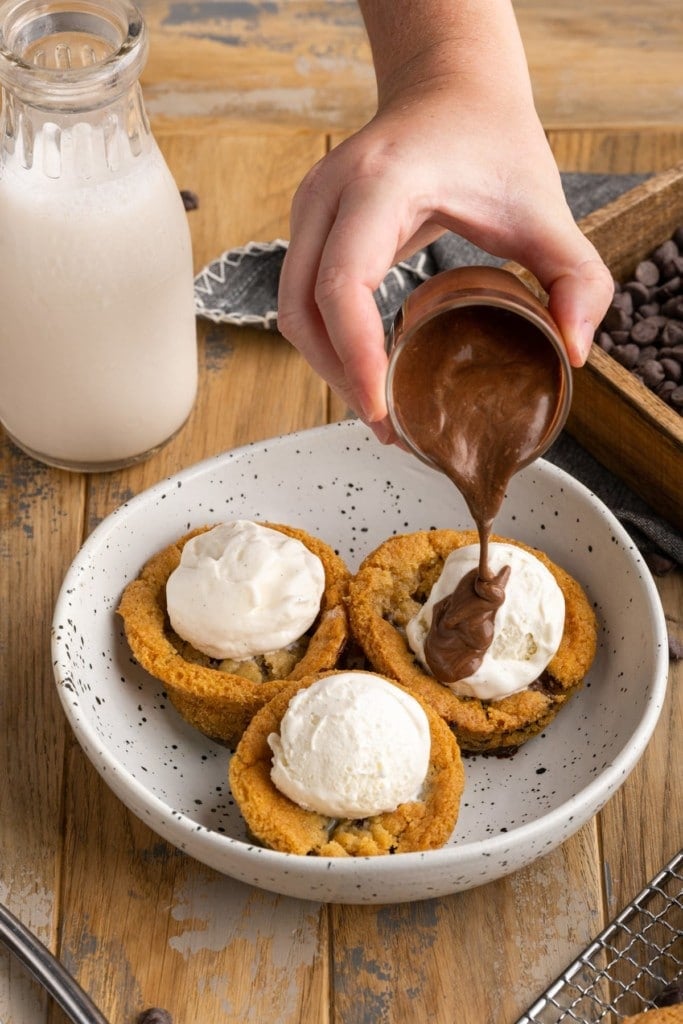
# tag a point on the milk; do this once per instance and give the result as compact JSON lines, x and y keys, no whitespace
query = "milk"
{"x":98,"y":358}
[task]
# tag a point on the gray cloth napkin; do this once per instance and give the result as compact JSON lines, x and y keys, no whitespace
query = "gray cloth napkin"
{"x":240,"y":288}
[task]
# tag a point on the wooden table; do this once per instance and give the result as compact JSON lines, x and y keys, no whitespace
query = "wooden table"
{"x":242,"y":107}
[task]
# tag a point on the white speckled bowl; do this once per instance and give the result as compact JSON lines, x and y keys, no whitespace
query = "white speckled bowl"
{"x":339,"y":483}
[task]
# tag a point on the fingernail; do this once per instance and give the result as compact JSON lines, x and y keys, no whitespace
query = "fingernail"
{"x":584,"y":340}
{"x":372,"y":411}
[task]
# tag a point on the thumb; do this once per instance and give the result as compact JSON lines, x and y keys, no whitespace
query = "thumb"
{"x":579,"y":286}
{"x":577,"y":301}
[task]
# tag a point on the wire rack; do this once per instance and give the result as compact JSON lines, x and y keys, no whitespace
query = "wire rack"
{"x":628,"y":965}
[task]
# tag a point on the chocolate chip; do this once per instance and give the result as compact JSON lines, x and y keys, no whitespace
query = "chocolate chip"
{"x":617,"y":319}
{"x":190,"y":199}
{"x":672,"y":333}
{"x":623,"y":301}
{"x":627,"y":355}
{"x":665,"y":252}
{"x":648,"y":352}
{"x":672,"y":369}
{"x":647,"y":273}
{"x":668,"y":269}
{"x":155,"y":1015}
{"x":673,"y":307}
{"x":605,"y":341}
{"x":649,"y":309}
{"x":669,"y":288}
{"x":639,"y":293}
{"x":547,"y":684}
{"x":665,"y":391}
{"x":671,"y":995}
{"x":676,"y":397}
{"x":659,"y":564}
{"x":652,"y":373}
{"x":659,"y":321}
{"x":644,"y":331}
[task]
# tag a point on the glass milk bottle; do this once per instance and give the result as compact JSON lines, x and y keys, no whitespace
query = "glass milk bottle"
{"x":98,"y":360}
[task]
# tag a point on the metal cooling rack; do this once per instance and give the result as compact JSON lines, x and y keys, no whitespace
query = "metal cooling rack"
{"x":626,"y":967}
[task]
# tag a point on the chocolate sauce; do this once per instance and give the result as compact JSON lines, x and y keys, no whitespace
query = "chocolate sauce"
{"x":463,"y":624}
{"x":477,"y":391}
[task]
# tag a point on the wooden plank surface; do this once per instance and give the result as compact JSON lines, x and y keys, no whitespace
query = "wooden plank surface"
{"x":208,"y":948}
{"x":138,"y":922}
{"x":141,"y":924}
{"x":41,"y":523}
{"x":307,"y":62}
{"x":642,"y":826}
{"x":473,"y":957}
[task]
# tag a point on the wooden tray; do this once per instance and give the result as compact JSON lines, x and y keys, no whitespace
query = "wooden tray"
{"x":623,"y":424}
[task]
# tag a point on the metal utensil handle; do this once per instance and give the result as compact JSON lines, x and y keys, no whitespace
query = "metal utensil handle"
{"x":51,"y":974}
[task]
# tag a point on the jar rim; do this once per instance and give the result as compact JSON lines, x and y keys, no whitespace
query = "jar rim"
{"x":118,"y":23}
{"x":528,"y":308}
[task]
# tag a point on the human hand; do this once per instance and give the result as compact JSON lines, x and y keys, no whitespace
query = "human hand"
{"x":460,"y":149}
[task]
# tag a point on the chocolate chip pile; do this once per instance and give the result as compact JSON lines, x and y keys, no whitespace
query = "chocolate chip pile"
{"x":643,"y":327}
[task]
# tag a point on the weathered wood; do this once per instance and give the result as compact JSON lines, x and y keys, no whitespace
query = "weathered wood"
{"x":307,"y":62}
{"x":138,"y":922}
{"x":617,"y":150}
{"x":479,"y":957}
{"x":41,"y":526}
{"x":244,"y":186}
{"x":170,"y":931}
{"x":642,"y":826}
{"x":605,"y":64}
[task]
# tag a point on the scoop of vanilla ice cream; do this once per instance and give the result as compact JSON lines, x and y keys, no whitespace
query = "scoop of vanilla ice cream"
{"x":528,"y":625}
{"x":243,"y":589}
{"x":351,"y":745}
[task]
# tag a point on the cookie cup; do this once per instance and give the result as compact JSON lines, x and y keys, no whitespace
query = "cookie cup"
{"x":280,"y":824}
{"x":217,"y":701}
{"x":390,"y":586}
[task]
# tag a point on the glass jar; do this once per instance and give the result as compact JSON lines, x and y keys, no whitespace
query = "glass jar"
{"x":98,"y":353}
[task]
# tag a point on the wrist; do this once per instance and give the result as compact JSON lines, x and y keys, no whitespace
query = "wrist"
{"x":439,"y":45}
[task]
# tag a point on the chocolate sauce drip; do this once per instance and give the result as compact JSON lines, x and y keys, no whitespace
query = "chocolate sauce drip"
{"x":477,"y":391}
{"x":463,"y":624}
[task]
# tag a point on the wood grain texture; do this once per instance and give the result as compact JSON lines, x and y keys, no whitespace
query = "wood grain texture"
{"x":478,"y":957}
{"x":608,"y":63}
{"x":41,"y":524}
{"x":642,"y":825}
{"x":297,"y":62}
{"x":307,"y":62}
{"x":69,"y":837}
{"x":148,"y":926}
{"x":138,"y":922}
{"x":626,"y":150}
{"x":205,"y":947}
